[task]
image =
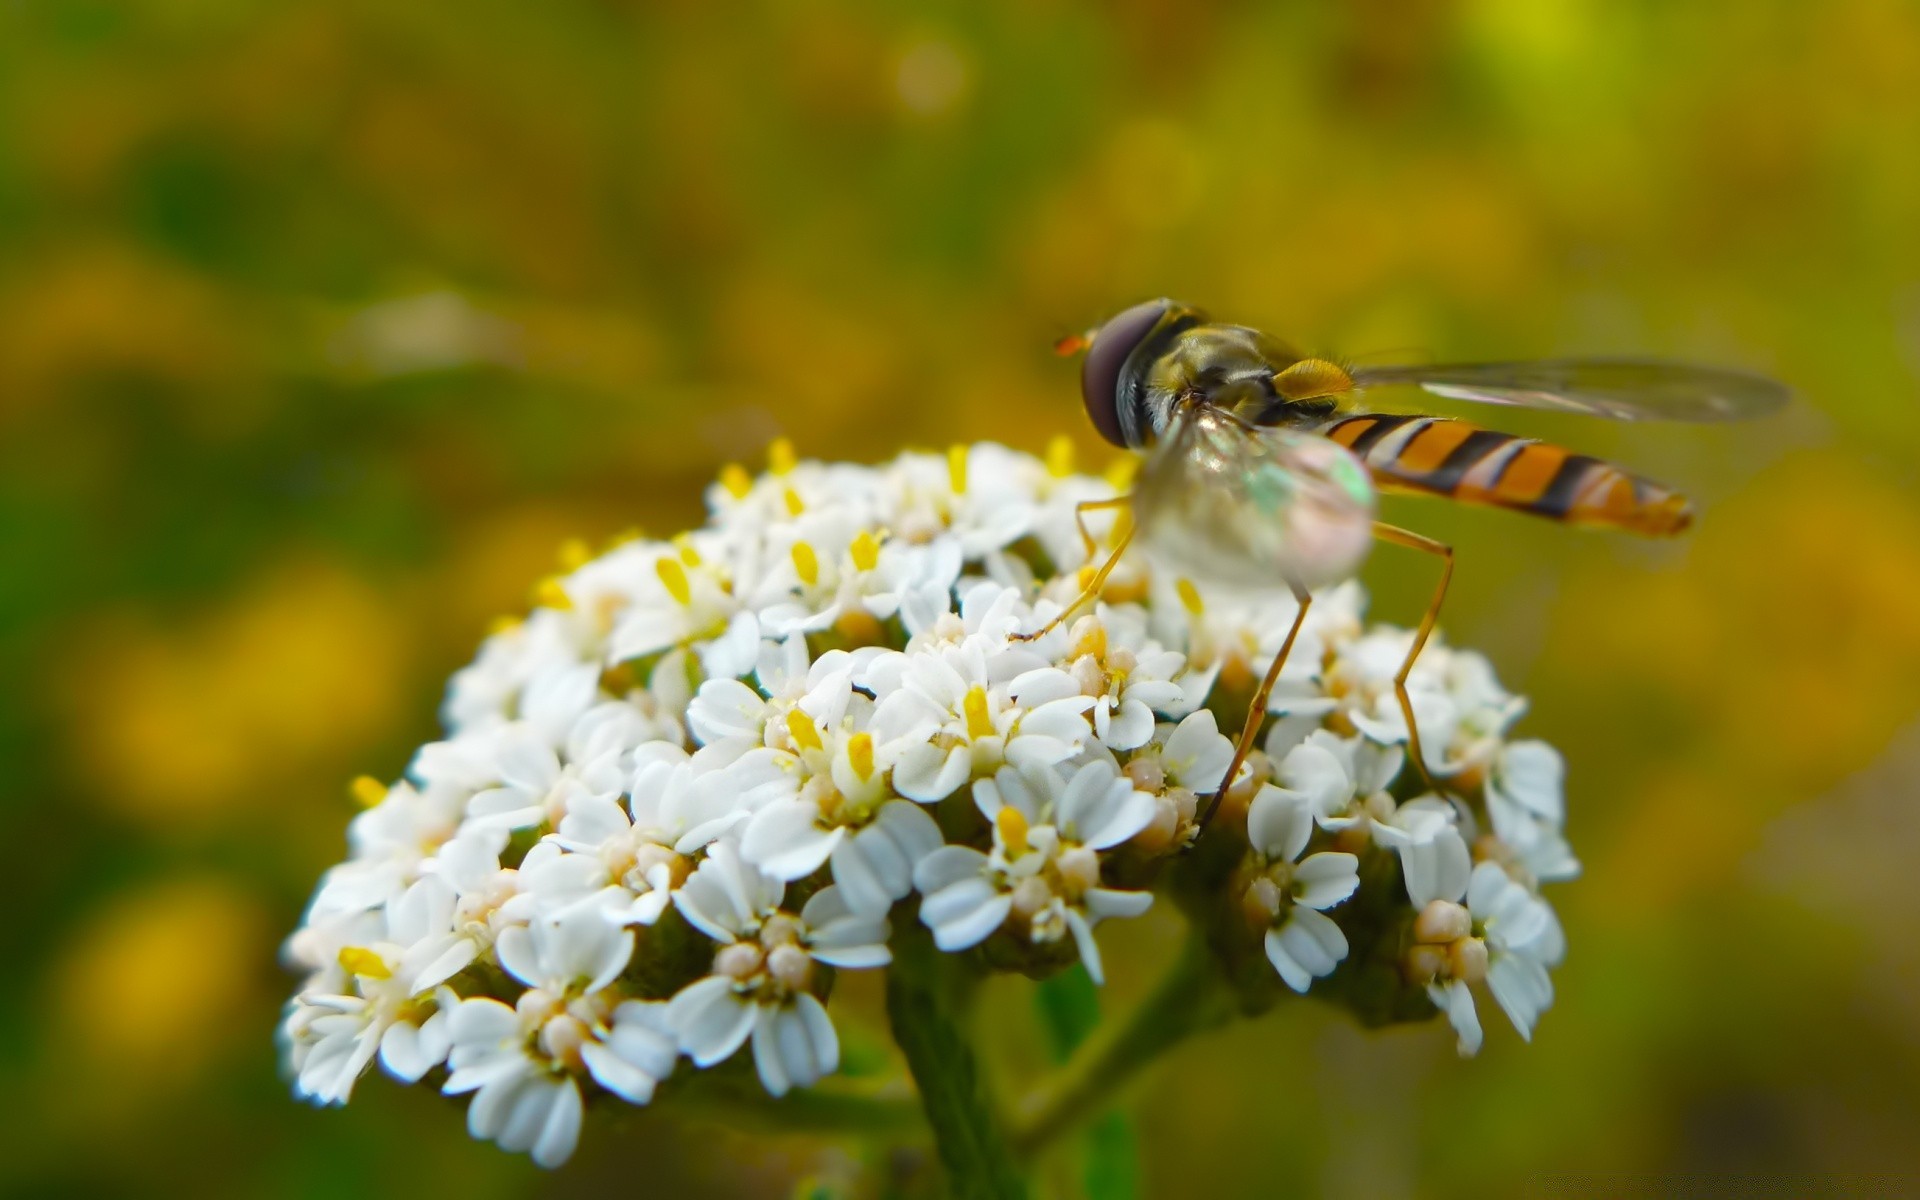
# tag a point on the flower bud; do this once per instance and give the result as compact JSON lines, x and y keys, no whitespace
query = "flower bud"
{"x":738,"y":960}
{"x":1467,"y":960}
{"x":1424,"y":963}
{"x":1089,"y":636}
{"x":535,"y":1005}
{"x":1159,"y":832}
{"x":1030,"y":897}
{"x":1087,"y":673}
{"x":1441,"y":922}
{"x":779,"y":930}
{"x":790,"y":967}
{"x":1079,"y":869}
{"x":1147,"y":772}
{"x":560,"y":1040}
{"x":1261,"y":902}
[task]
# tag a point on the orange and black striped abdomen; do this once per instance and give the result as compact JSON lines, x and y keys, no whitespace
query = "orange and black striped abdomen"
{"x":1459,"y":460}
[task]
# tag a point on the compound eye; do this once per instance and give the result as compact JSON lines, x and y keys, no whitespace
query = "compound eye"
{"x":1100,"y":373}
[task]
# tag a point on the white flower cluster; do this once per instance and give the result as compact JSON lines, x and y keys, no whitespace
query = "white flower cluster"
{"x":703,"y":775}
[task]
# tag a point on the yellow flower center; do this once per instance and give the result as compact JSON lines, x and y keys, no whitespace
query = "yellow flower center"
{"x":367,"y":791}
{"x":860,"y":754}
{"x":735,"y":479}
{"x":957,"y":468}
{"x":800,"y":728}
{"x":358,"y":960}
{"x":979,"y":724}
{"x":1012,"y":827}
{"x":806,"y":564}
{"x":673,"y":577}
{"x":780,"y":457}
{"x":865,"y":551}
{"x":1189,"y":596}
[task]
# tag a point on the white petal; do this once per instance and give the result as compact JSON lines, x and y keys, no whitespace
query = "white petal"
{"x":561,"y":1130}
{"x":926,"y":773}
{"x":1109,"y":902}
{"x":1082,"y":931}
{"x":709,"y":1019}
{"x":1278,"y":823}
{"x":786,"y":840}
{"x":947,"y":866}
{"x":1325,"y":879}
{"x":965,"y":914}
{"x":1436,"y":869}
{"x":1291,"y":973}
{"x":725,"y":708}
{"x":1522,"y":989}
{"x":1130,"y":727}
{"x":1456,"y":1000}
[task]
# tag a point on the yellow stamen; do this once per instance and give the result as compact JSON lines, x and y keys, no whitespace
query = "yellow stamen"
{"x":551,"y":593}
{"x":865,"y":551}
{"x":688,"y":555}
{"x":500,"y":625}
{"x":800,"y":727}
{"x":1120,"y":472}
{"x":1012,"y":827}
{"x":674,"y":577}
{"x":780,"y":458}
{"x":1060,"y":456}
{"x":795,"y":506}
{"x":806,"y":564}
{"x":860,"y":754}
{"x":358,"y":960}
{"x":575,"y":553}
{"x":1189,"y":596}
{"x":735,"y":479}
{"x":957,"y":468}
{"x":367,"y":791}
{"x":979,"y":724}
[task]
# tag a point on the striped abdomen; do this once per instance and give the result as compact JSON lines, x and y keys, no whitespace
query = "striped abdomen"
{"x":1444,"y":457}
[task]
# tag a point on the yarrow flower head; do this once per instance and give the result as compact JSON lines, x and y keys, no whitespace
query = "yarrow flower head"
{"x":866,"y":711}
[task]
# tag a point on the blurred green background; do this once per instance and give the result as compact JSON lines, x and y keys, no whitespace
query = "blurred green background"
{"x":322,"y":324}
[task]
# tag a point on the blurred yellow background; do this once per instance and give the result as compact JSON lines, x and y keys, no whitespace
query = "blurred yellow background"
{"x":322,"y":324}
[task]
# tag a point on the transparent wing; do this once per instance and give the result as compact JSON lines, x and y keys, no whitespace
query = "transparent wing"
{"x":1225,"y":502}
{"x":1619,"y":388}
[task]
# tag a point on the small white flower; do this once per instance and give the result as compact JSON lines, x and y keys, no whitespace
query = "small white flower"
{"x":1504,"y":936}
{"x":534,"y":783}
{"x":688,"y":604}
{"x":519,"y":1101}
{"x":763,"y":971}
{"x":1526,"y":802}
{"x":1042,"y":878}
{"x":523,"y":1064}
{"x":1292,"y":893}
{"x":728,"y":708}
{"x":971,"y":708}
{"x":1130,"y":678}
{"x":629,"y":859}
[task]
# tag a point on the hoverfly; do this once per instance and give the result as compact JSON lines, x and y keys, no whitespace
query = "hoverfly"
{"x":1261,"y":468}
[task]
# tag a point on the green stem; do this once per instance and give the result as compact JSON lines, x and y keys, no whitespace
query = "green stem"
{"x":1190,"y":998}
{"x":924,"y":988}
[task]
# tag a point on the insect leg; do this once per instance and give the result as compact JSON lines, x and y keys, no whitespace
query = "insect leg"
{"x":1414,"y":541}
{"x":1092,"y":590}
{"x":1080,"y":512}
{"x":1257,"y":710}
